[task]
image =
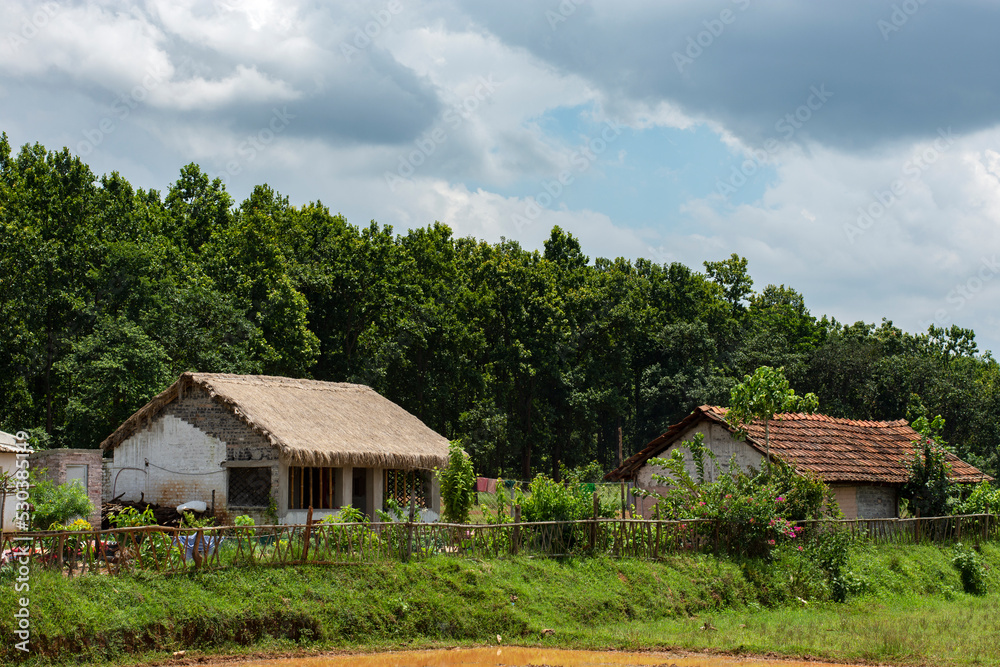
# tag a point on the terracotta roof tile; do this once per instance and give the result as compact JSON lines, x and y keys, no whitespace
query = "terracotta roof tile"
{"x":838,"y":450}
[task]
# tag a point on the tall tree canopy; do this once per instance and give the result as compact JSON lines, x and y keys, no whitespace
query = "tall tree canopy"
{"x":533,"y":358}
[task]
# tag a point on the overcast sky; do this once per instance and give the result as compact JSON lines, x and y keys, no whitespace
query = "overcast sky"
{"x":850,"y":150}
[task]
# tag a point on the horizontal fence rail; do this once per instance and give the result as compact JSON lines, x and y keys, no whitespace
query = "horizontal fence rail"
{"x":172,"y":550}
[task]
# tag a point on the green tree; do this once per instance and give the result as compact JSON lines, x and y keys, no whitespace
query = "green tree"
{"x":458,"y":483}
{"x":113,"y":372}
{"x":929,"y":487}
{"x":762,"y":396}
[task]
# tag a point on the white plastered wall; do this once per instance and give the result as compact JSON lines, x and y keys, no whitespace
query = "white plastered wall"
{"x":185,"y":464}
{"x":727,"y":449}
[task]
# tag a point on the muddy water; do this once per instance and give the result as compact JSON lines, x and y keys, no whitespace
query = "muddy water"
{"x":511,"y":656}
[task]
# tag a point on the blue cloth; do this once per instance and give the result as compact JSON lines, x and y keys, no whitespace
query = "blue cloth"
{"x":208,"y":546}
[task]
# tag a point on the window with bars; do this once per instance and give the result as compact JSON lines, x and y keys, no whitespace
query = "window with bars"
{"x":249,"y":487}
{"x":401,"y":484}
{"x":310,"y":487}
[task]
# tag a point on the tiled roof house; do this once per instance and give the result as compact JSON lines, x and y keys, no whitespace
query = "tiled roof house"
{"x":862,"y":461}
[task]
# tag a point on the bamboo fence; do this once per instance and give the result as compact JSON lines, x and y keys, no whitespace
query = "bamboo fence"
{"x":174,"y":550}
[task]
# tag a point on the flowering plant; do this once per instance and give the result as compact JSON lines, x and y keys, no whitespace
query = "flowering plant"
{"x":752,"y":510}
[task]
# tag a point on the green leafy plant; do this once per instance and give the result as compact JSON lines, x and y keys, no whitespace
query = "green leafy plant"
{"x":458,"y":483}
{"x":929,"y":487}
{"x":762,"y":396}
{"x":244,"y":520}
{"x":971,"y":569}
{"x":754,"y":511}
{"x":271,"y":513}
{"x":190,"y":521}
{"x":58,"y":503}
{"x":346,"y":514}
{"x":548,"y":500}
{"x":591,"y":472}
{"x":130,"y":517}
{"x":393,"y":511}
{"x":77,"y":526}
{"x":984,"y":499}
{"x":830,"y":550}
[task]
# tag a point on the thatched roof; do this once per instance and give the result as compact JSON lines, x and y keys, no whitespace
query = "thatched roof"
{"x":311,"y":422}
{"x":838,"y":450}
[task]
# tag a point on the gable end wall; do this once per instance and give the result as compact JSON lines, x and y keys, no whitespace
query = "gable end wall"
{"x":719,"y":441}
{"x":190,"y":446}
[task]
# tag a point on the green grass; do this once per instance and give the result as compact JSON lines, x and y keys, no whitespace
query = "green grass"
{"x":909,"y":608}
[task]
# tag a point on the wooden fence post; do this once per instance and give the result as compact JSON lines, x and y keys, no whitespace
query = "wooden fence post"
{"x":656,"y":548}
{"x":593,"y":526}
{"x":412,"y":516}
{"x":515,"y":543}
{"x":62,"y":547}
{"x":196,"y":553}
{"x":307,"y":536}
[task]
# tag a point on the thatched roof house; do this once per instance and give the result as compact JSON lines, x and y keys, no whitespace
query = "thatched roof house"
{"x":862,"y":461}
{"x":321,"y":441}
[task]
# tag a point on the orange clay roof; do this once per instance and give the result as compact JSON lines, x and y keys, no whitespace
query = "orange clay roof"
{"x":838,"y":450}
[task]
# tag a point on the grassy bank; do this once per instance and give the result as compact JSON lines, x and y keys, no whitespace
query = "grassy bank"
{"x":907,"y":605}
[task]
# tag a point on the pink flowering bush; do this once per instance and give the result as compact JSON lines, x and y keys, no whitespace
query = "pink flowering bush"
{"x":752,"y":512}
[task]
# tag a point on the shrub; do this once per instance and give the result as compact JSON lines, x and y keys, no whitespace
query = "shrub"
{"x":190,"y":521}
{"x":971,"y":570}
{"x":244,"y":520}
{"x":549,"y":500}
{"x":458,"y":482}
{"x":130,"y":517}
{"x":77,"y":526}
{"x":756,"y":510}
{"x":347,"y":514}
{"x":984,"y":499}
{"x":929,"y":488}
{"x":830,"y":551}
{"x":57,"y":504}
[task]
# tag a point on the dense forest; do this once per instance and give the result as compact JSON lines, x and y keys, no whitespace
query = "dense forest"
{"x":534,"y":358}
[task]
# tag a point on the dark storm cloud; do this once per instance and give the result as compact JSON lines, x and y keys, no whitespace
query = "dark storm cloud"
{"x":896,"y":70}
{"x":376,"y":101}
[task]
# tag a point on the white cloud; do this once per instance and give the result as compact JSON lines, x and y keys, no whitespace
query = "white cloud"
{"x":245,"y":85}
{"x":221,"y":66}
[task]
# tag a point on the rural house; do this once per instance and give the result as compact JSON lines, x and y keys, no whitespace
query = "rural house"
{"x":861,"y":461}
{"x":10,"y":447}
{"x":271,"y":447}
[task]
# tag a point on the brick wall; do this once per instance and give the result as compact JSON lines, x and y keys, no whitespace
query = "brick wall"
{"x":876,"y":502}
{"x":185,"y":452}
{"x":847,"y":500}
{"x":54,"y":462}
